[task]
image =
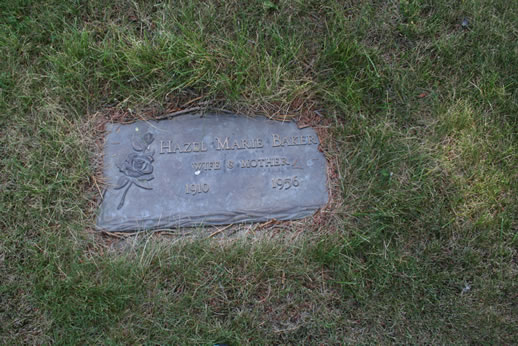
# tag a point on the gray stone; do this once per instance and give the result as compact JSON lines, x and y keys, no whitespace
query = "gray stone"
{"x":209,"y":169}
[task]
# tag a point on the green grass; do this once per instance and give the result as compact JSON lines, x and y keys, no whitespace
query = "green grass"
{"x":424,"y":122}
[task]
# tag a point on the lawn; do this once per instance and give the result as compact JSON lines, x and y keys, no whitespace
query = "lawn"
{"x":420,"y":104}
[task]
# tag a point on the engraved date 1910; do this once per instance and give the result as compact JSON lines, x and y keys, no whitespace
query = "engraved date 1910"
{"x":194,"y":189}
{"x":285,"y":183}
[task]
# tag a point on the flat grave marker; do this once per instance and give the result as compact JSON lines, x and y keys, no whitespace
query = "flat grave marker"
{"x":209,"y":169}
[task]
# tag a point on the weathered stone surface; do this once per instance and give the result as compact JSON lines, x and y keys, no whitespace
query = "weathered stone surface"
{"x":209,"y":170}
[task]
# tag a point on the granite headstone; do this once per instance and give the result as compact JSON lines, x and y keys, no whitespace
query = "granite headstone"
{"x":209,"y":169}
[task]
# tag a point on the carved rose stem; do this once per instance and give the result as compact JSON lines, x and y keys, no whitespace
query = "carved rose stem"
{"x":121,"y":203}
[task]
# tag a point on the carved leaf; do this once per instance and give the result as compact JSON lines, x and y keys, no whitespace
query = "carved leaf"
{"x":143,"y":184}
{"x":148,"y":138}
{"x":138,"y":143}
{"x":150,"y":154}
{"x":123,"y":181}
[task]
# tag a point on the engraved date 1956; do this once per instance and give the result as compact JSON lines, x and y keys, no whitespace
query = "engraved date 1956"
{"x":285,"y":183}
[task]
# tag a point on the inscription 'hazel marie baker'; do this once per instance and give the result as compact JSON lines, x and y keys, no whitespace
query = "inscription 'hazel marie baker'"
{"x":227,"y":143}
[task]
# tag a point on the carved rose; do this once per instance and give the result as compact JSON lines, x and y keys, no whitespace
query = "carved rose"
{"x":137,"y":165}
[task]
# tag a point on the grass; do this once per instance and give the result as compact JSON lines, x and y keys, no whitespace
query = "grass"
{"x":423,"y":114}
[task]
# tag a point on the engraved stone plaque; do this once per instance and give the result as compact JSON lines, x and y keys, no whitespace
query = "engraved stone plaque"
{"x":209,"y":169}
